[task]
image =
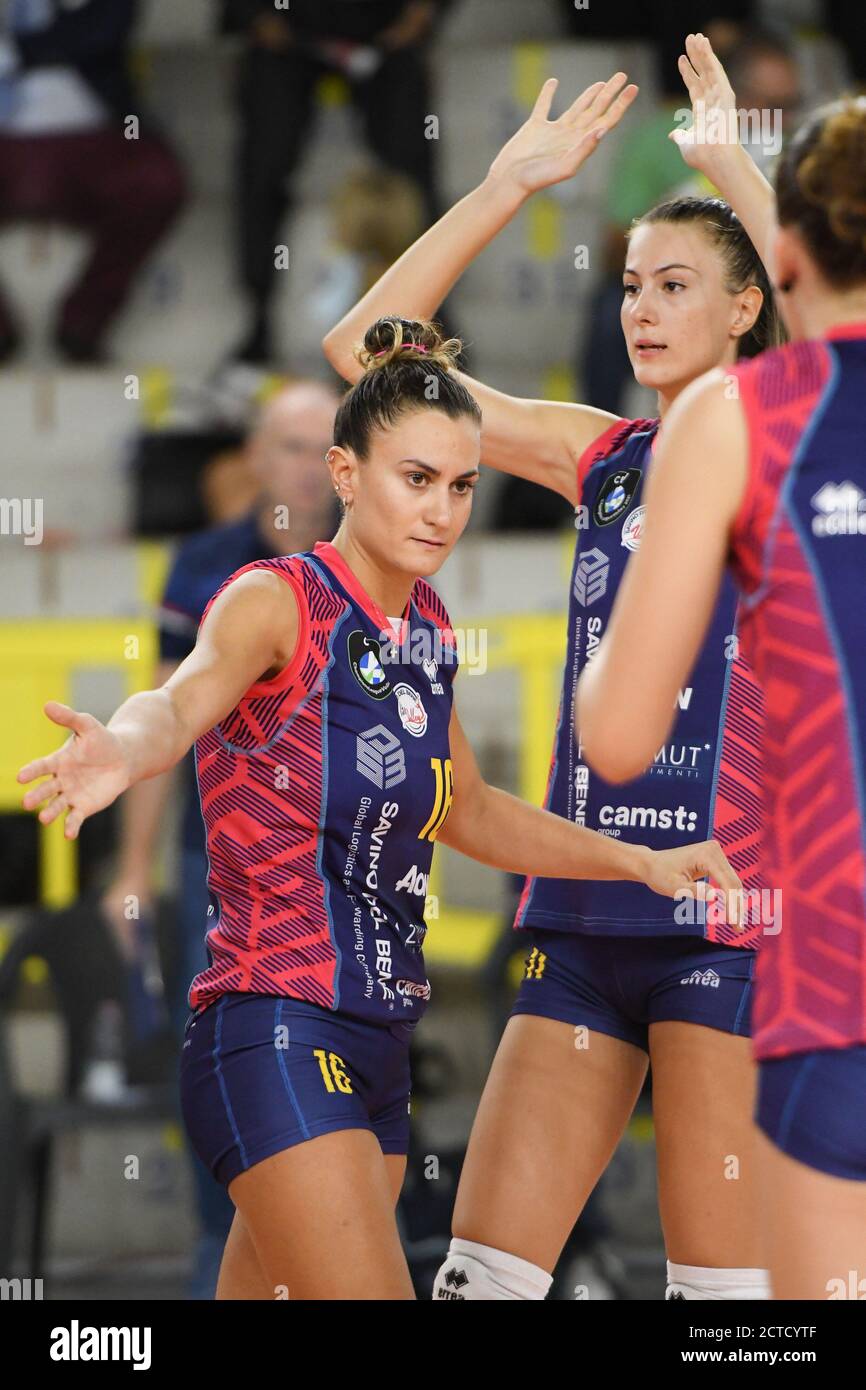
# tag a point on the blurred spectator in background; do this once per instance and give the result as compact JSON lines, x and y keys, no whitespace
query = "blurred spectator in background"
{"x":380,"y":47}
{"x":375,"y":216}
{"x":76,"y":148}
{"x":763,"y":69}
{"x":665,"y":23}
{"x":846,"y":22}
{"x":295,"y":507}
{"x":765,"y":75}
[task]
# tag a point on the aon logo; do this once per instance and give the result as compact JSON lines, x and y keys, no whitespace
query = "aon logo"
{"x":414,"y":882}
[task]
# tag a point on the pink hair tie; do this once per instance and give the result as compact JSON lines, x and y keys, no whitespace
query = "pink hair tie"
{"x":419,"y":346}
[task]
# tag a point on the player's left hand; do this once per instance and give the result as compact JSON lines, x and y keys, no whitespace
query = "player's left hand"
{"x":715,"y":127}
{"x":682,"y":873}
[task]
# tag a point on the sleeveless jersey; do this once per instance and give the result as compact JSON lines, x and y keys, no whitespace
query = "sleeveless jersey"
{"x":322,"y":793}
{"x":799,"y":555}
{"x":704,"y":783}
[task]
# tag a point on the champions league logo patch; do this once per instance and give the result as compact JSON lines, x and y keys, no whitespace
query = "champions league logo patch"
{"x":615,"y":495}
{"x":366,"y":665}
{"x":413,"y":715}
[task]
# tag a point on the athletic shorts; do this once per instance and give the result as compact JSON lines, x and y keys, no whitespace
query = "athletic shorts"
{"x":813,"y":1107}
{"x":619,"y":985}
{"x":261,"y":1072}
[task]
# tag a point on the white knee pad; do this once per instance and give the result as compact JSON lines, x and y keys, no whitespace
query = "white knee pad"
{"x":480,"y":1273}
{"x":693,"y":1282}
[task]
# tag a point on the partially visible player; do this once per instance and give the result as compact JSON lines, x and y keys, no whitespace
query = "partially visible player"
{"x":763,"y":469}
{"x":330,"y":759}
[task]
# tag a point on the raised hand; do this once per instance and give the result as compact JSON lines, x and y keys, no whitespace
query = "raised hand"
{"x":680,"y":873}
{"x":714,"y":106}
{"x":84,"y":776}
{"x":544,"y":152}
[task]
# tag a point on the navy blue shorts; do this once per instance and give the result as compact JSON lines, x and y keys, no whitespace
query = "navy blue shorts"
{"x":261,"y":1072}
{"x":813,"y":1107}
{"x":619,"y":985}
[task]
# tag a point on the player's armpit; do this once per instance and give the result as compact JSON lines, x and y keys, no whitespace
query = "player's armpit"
{"x":539,"y":440}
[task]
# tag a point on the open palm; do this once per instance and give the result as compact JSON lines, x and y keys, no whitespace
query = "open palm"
{"x":713,"y":104}
{"x":84,"y":776}
{"x":544,"y":152}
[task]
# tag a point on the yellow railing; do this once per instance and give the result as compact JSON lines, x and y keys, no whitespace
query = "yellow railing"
{"x":39,"y":659}
{"x":38,"y":662}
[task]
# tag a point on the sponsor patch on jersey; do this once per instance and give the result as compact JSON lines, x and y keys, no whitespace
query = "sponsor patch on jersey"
{"x":615,"y":495}
{"x":591,"y":576}
{"x":414,"y":988}
{"x":413,"y":715}
{"x":632,"y":529}
{"x":366,"y":665}
{"x":380,"y":758}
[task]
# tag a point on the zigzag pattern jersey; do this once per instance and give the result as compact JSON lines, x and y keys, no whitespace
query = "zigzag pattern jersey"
{"x":799,"y":555}
{"x":322,"y":793}
{"x":704,"y":783}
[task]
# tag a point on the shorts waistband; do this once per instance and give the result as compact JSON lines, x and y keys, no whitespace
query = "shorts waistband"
{"x":403,"y":1029}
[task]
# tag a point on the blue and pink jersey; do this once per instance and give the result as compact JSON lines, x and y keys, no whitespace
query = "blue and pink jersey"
{"x":704,"y":783}
{"x":322,"y":793}
{"x":799,"y":557}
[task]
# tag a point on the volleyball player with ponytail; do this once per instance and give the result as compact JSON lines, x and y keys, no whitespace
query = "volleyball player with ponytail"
{"x":638,"y":982}
{"x":330,"y":758}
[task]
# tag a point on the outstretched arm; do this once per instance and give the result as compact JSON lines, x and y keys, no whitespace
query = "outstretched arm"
{"x":712,"y":144}
{"x":496,"y":828}
{"x":252,"y":628}
{"x":626,"y":698}
{"x":142,"y":818}
{"x":538,"y":440}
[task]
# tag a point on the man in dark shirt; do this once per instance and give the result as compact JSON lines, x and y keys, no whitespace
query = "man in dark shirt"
{"x":380,"y":48}
{"x":296,"y":508}
{"x":77,"y":148}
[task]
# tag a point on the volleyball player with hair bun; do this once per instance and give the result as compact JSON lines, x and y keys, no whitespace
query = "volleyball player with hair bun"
{"x":643,"y":983}
{"x":777,"y":495}
{"x":330,"y":759}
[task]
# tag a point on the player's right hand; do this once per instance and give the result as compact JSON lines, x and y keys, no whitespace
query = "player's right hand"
{"x":544,"y":152}
{"x":84,"y":776}
{"x":681,"y":872}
